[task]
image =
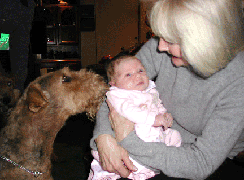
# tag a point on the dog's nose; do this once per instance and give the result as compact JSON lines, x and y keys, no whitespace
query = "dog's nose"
{"x":6,"y":100}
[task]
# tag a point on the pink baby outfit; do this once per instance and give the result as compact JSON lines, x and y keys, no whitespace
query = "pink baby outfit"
{"x":140,"y":107}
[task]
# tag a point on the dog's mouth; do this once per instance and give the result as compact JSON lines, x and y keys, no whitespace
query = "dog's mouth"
{"x":4,"y":106}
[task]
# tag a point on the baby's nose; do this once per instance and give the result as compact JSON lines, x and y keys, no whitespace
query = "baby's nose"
{"x":138,"y":75}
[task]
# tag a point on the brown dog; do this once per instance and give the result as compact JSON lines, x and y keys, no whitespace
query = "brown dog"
{"x":39,"y":115}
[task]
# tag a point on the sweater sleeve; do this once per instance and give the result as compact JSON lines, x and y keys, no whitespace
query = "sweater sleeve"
{"x":102,"y":125}
{"x":198,"y":159}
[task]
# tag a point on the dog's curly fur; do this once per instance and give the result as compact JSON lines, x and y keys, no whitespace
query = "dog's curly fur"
{"x":39,"y":115}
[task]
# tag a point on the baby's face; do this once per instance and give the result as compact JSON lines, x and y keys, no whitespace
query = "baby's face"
{"x":130,"y":75}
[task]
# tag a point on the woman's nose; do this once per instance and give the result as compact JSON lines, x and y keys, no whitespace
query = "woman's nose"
{"x":163,"y":45}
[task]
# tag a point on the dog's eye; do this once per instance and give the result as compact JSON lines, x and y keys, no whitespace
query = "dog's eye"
{"x":9,"y":83}
{"x":67,"y":79}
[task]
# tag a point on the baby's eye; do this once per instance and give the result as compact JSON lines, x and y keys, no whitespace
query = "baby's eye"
{"x":141,"y":70}
{"x":128,"y":75}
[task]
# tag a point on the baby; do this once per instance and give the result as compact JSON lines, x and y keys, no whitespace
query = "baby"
{"x":134,"y":96}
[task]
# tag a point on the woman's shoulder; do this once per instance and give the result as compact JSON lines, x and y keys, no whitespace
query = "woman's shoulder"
{"x":236,"y":66}
{"x":233,"y":73}
{"x":151,"y":44}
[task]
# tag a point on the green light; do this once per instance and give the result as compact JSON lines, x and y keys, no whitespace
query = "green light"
{"x":4,"y":41}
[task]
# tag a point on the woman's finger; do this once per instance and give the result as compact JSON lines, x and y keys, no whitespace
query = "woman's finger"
{"x":111,"y":154}
{"x":127,"y":162}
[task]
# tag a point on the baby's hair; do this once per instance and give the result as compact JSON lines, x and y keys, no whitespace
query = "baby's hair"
{"x":116,"y":61}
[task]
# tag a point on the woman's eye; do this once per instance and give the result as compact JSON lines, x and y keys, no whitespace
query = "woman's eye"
{"x":141,"y":70}
{"x":128,"y":75}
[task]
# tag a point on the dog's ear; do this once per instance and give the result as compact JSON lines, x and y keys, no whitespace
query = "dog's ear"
{"x":36,"y":98}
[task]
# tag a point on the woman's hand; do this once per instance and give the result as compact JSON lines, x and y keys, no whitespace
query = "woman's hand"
{"x":121,"y":126}
{"x":113,"y":158}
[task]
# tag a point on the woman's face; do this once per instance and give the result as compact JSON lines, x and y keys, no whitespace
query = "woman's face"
{"x":174,"y":50}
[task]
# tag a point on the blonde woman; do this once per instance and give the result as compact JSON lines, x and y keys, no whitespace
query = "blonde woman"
{"x":198,"y":63}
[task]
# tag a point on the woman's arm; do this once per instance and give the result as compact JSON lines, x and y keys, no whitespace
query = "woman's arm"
{"x":111,"y":154}
{"x":198,"y":159}
{"x":113,"y":158}
{"x":102,"y":125}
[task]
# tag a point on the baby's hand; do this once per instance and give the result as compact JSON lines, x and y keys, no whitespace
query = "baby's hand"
{"x":165,"y":120}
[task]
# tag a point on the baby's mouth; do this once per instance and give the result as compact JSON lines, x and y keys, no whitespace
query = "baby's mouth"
{"x":140,"y":83}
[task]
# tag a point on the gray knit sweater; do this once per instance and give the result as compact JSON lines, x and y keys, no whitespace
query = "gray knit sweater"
{"x":209,"y":114}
